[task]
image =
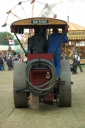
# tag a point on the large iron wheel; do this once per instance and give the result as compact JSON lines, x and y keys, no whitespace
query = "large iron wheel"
{"x":19,"y":82}
{"x":65,"y":89}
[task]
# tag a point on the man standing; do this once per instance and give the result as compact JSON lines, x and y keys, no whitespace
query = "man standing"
{"x":78,"y":62}
{"x":9,"y":63}
{"x":74,"y":65}
{"x":55,"y":40}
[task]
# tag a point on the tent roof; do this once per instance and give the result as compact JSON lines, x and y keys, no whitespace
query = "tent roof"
{"x":73,"y":26}
{"x":76,"y":32}
{"x":13,"y":47}
{"x":5,"y":47}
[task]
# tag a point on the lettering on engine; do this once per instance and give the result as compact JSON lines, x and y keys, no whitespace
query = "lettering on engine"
{"x":39,"y":21}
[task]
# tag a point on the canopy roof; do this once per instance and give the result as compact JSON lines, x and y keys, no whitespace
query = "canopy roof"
{"x":76,"y":32}
{"x":19,"y":25}
{"x":73,"y":26}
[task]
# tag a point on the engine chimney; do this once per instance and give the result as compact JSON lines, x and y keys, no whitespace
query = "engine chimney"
{"x":67,"y":18}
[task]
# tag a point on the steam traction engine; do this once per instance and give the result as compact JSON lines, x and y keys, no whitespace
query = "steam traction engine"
{"x":37,"y":78}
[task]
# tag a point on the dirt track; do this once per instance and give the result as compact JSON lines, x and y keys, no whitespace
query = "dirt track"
{"x":47,"y":116}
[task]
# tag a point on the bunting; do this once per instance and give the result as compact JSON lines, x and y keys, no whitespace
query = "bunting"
{"x":4,"y":25}
{"x":19,"y":3}
{"x":32,"y":1}
{"x":6,"y":39}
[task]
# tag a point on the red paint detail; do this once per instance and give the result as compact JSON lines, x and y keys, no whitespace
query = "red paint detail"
{"x":42,"y":56}
{"x":48,"y":97}
{"x":38,"y":77}
{"x":48,"y":75}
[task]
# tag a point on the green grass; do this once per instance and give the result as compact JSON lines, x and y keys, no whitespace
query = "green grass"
{"x":78,"y":66}
{"x":48,"y":116}
{"x":82,"y":65}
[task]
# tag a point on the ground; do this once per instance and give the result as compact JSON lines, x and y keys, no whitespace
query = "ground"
{"x":48,"y":116}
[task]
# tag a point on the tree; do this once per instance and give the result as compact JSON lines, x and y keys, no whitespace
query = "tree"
{"x":4,"y":35}
{"x":16,"y":42}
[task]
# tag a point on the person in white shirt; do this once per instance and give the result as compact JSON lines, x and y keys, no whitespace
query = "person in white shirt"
{"x":78,"y":61}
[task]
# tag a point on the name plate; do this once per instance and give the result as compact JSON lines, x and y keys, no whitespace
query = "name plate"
{"x":39,"y":21}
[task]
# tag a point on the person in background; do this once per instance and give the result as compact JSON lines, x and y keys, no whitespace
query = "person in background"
{"x":73,"y":50}
{"x":78,"y":61}
{"x":76,"y":51}
{"x":55,"y":40}
{"x":12,"y":63}
{"x":22,"y":58}
{"x":9,"y":63}
{"x":18,"y":55}
{"x":4,"y":57}
{"x":1,"y":64}
{"x":65,"y":57}
{"x":15,"y":58}
{"x":74,"y":65}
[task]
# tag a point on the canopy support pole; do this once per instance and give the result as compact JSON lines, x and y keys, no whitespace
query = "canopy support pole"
{"x":20,"y":44}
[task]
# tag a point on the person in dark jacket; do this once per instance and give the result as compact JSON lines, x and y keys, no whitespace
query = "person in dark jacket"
{"x":9,"y":63}
{"x":37,"y":43}
{"x":74,"y":65}
{"x":55,"y":40}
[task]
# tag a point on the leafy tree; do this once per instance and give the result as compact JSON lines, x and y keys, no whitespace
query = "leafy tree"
{"x":3,"y":37}
{"x":16,"y":42}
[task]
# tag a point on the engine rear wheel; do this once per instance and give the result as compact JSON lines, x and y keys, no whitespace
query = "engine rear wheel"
{"x":65,"y":89}
{"x":19,"y":82}
{"x":20,"y":100}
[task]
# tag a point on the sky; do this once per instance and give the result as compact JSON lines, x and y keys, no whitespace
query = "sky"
{"x":75,"y":9}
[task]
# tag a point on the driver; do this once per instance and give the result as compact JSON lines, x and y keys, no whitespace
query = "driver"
{"x":37,"y":42}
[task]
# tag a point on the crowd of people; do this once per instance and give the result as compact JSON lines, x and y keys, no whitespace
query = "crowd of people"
{"x":76,"y":60}
{"x":8,"y":59}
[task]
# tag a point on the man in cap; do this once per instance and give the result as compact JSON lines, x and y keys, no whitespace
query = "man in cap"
{"x":55,"y":40}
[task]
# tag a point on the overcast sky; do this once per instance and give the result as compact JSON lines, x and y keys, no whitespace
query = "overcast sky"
{"x":75,"y":9}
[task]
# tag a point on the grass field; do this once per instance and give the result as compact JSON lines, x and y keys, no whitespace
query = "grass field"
{"x":48,"y":116}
